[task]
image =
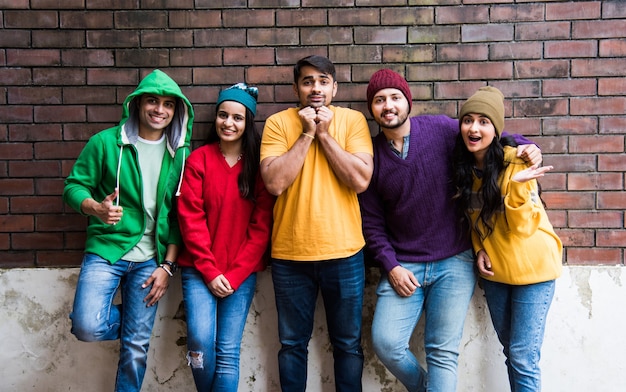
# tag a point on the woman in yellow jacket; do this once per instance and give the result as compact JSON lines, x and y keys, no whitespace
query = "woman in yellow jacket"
{"x":518,"y":254}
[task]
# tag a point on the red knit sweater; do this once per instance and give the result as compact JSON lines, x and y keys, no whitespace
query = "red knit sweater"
{"x":222,"y":232}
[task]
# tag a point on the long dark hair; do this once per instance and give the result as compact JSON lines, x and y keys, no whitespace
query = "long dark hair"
{"x":489,"y":194}
{"x":251,"y":149}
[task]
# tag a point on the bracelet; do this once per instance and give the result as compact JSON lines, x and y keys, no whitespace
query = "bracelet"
{"x":166,"y":270}
{"x":307,"y":135}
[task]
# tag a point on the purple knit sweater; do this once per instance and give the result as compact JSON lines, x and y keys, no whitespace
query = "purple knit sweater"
{"x":408,"y":213}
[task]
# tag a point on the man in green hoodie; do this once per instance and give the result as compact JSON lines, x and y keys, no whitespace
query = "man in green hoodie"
{"x":125,"y":181}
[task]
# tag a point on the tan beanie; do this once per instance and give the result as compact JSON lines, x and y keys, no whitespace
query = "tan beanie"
{"x":488,"y":101}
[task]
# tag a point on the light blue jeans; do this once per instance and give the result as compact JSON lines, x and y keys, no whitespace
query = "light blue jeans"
{"x":446,"y":289}
{"x":214,"y":331}
{"x":296,"y":287}
{"x":519,"y":317}
{"x":95,"y":317}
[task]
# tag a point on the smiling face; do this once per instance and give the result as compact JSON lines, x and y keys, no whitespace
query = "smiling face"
{"x":155,"y":114}
{"x":230,"y":121}
{"x":390,"y":108}
{"x":315,"y":88}
{"x":478,"y":133}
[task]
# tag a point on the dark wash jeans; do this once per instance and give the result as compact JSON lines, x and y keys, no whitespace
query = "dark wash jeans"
{"x":296,"y":286}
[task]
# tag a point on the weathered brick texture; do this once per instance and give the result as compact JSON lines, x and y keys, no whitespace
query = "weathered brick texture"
{"x":66,"y":66}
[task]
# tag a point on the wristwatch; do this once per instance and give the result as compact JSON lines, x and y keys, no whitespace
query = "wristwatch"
{"x":173,"y":266}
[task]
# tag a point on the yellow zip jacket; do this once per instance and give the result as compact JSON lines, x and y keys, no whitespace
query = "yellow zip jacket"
{"x":523,"y":246}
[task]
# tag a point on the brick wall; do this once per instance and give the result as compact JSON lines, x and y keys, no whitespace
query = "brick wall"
{"x":66,"y":66}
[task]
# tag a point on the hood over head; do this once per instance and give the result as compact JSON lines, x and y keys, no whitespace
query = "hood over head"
{"x":178,"y":133}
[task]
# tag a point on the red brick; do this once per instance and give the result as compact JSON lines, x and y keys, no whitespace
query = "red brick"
{"x":58,"y":39}
{"x":380,"y":35}
{"x":219,"y":4}
{"x":516,"y":13}
{"x":461,"y":15}
{"x":612,"y":200}
{"x":598,"y":67}
{"x":60,"y":223}
{"x":542,"y":69}
{"x":486,"y":71}
{"x":58,"y":76}
{"x":613,"y":48}
{"x":102,"y":114}
{"x":140,"y":19}
{"x":14,"y":4}
{"x":219,"y":37}
{"x":34,"y":95}
{"x":16,"y":114}
{"x":14,"y":39}
{"x":352,"y":54}
{"x":598,"y":29}
{"x":597,"y":144}
{"x":570,"y":200}
{"x":612,"y":238}
{"x":612,"y":162}
{"x":11,"y":151}
{"x":62,"y":258}
{"x":257,"y":75}
{"x":569,"y":87}
{"x":354,"y":17}
{"x":27,"y":241}
{"x":540,"y":107}
{"x":27,"y":169}
{"x":515,"y":50}
{"x":542,"y":31}
{"x":36,"y":204}
{"x":434,"y":34}
{"x":59,"y":113}
{"x":408,"y":54}
{"x":575,"y":10}
{"x":248,"y":18}
{"x":30,"y":19}
{"x":572,"y":163}
{"x":33,"y":57}
{"x":217,"y":75}
{"x":112,"y":38}
{"x":16,"y":223}
{"x":195,"y":19}
{"x":595,"y":181}
{"x":593,"y":256}
{"x":271,"y":37}
{"x":21,"y":259}
{"x":525,"y":126}
{"x":167,"y":39}
{"x":112,"y":77}
{"x":487,"y":33}
{"x":151,"y":58}
{"x":598,"y":106}
{"x":404,"y":16}
{"x":570,"y":125}
{"x":56,"y":150}
{"x":611,"y":125}
{"x":56,"y":4}
{"x":611,"y":86}
{"x":4,"y":241}
{"x":466,"y":52}
{"x":431,"y":72}
{"x":168,"y":4}
{"x":86,"y":19}
{"x":570,"y":49}
{"x":248,"y":56}
{"x":614,"y":9}
{"x":88,"y":58}
{"x":49,"y":186}
{"x":576,"y":237}
{"x":595,"y":219}
{"x":317,"y":36}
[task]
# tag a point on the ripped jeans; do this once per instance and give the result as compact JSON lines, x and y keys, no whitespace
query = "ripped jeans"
{"x":214,"y":331}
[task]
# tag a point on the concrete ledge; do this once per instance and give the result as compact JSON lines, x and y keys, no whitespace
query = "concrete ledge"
{"x":583,"y":349}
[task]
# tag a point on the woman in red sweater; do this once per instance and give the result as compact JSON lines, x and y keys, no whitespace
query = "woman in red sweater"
{"x":225,"y":216}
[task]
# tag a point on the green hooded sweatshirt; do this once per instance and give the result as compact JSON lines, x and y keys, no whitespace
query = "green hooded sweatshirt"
{"x":109,"y":161}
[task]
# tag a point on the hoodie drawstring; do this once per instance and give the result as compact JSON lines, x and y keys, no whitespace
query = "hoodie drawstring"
{"x":182,"y":171}
{"x":117,"y":176}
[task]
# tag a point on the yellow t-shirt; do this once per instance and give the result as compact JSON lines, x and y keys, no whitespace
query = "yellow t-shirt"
{"x":523,"y":246}
{"x":317,"y":218}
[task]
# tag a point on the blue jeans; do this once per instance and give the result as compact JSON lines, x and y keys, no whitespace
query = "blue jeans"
{"x":519,"y":317}
{"x":296,"y":285}
{"x":214,"y":331}
{"x":96,"y":318}
{"x":446,"y":289}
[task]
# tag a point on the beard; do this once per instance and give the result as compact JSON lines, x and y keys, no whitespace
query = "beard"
{"x":397,"y":123}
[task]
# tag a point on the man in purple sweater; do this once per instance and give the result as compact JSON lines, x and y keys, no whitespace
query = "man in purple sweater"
{"x":412,"y":229}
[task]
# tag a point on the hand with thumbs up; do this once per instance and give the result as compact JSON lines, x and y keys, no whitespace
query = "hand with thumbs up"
{"x":106,"y":210}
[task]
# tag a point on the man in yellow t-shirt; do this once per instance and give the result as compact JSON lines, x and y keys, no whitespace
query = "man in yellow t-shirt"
{"x":315,"y":158}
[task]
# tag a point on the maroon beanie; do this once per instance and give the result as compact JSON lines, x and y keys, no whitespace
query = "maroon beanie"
{"x":386,"y":78}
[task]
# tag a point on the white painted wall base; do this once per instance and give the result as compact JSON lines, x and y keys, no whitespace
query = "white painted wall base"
{"x":583,"y":350}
